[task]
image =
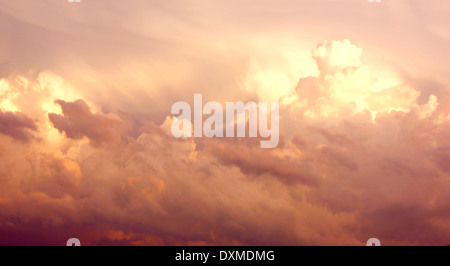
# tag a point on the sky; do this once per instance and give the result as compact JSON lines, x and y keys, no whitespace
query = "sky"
{"x":86,"y":149}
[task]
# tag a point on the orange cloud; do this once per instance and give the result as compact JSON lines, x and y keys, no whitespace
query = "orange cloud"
{"x":86,"y":151}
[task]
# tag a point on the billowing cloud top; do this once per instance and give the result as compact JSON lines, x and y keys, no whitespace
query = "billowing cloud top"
{"x":85,"y":143}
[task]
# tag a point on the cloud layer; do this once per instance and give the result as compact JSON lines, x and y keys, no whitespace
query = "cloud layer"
{"x":86,"y":149}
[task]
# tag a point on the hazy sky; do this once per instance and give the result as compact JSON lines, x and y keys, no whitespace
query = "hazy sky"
{"x":85,"y":144}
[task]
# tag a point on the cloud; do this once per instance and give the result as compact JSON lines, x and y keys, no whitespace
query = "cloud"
{"x":346,"y":86}
{"x":362,"y":154}
{"x":77,"y":122}
{"x":17,"y":125}
{"x":336,"y":56}
{"x":254,"y":162}
{"x":335,"y":179}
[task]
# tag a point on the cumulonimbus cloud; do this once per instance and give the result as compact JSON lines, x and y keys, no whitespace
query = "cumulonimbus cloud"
{"x":355,"y":160}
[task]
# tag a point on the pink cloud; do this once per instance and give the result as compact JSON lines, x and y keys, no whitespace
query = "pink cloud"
{"x":17,"y":125}
{"x":77,"y":122}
